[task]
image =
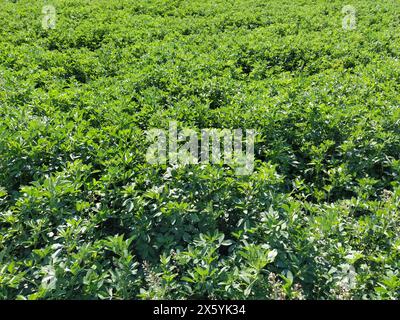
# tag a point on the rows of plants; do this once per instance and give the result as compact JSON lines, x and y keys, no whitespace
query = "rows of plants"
{"x":84,"y":216}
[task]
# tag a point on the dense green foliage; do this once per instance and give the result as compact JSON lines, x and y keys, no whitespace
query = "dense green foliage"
{"x":83,"y":216}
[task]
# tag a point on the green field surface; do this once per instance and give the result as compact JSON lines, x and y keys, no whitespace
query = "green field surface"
{"x":84,"y":215}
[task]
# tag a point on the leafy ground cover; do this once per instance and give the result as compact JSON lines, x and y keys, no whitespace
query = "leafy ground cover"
{"x":84,"y":216}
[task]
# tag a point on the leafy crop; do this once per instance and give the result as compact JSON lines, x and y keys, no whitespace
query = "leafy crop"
{"x":84,"y":216}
